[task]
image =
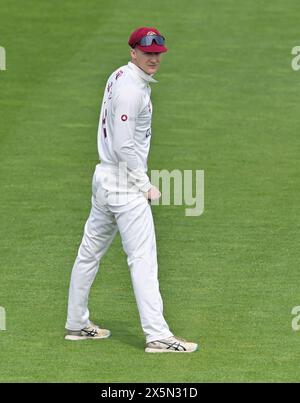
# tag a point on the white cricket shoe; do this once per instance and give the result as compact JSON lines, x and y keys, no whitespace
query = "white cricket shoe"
{"x":89,"y":332}
{"x":171,"y":345}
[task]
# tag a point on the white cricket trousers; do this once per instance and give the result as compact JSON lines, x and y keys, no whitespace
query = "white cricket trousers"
{"x":135,"y":223}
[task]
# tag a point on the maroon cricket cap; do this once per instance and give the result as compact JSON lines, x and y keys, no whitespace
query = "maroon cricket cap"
{"x":139,"y":33}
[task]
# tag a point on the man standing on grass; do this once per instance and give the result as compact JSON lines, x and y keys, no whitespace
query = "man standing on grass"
{"x":121,"y":199}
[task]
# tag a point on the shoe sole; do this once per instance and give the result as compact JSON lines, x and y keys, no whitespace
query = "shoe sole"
{"x":162,"y":350}
{"x":76,"y":338}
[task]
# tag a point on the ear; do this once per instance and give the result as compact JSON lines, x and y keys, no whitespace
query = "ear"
{"x":133,"y":53}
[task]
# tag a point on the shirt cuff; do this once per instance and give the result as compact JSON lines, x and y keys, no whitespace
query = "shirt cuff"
{"x":141,"y":180}
{"x":146,"y":187}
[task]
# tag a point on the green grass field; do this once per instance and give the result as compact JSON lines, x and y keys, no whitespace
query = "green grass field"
{"x":227,"y":102}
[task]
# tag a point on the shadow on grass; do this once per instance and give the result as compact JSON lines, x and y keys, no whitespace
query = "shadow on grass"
{"x":121,"y":331}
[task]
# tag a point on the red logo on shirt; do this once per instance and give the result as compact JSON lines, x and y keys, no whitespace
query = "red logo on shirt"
{"x":124,"y":118}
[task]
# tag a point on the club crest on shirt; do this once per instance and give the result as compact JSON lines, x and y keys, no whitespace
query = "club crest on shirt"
{"x":124,"y":118}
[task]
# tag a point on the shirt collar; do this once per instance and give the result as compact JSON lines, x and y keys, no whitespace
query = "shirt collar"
{"x":140,"y":73}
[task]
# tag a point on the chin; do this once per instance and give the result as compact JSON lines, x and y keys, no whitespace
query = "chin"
{"x":152,"y":70}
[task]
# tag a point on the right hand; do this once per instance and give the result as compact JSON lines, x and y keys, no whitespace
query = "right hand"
{"x":152,"y":194}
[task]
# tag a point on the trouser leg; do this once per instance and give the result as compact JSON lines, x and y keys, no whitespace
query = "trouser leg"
{"x":136,"y":227}
{"x":100,"y":230}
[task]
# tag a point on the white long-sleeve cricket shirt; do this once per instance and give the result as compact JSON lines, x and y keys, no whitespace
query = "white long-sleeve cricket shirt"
{"x":124,"y":130}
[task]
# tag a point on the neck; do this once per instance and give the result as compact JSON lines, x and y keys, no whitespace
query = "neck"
{"x":132,"y":61}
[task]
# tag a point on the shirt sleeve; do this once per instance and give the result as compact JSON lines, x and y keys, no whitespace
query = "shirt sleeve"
{"x":128,"y":104}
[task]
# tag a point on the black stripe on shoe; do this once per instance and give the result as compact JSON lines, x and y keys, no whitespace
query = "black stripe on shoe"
{"x":91,"y":333}
{"x":176,"y":346}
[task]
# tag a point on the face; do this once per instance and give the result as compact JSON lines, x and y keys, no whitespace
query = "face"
{"x":149,"y":62}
